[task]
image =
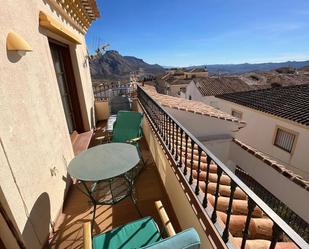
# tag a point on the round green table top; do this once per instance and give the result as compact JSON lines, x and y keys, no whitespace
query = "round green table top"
{"x":103,"y":162}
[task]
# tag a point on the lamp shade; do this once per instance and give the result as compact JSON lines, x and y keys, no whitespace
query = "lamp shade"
{"x":16,"y":43}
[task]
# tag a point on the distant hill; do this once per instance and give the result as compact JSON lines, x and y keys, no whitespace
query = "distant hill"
{"x":247,"y":67}
{"x":113,"y":65}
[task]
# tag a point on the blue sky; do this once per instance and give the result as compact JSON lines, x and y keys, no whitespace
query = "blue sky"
{"x":184,"y":33}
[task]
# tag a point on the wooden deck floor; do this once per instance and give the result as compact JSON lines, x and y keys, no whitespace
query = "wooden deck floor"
{"x":77,"y":209}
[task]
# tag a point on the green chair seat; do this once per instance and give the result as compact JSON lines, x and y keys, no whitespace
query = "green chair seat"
{"x":136,"y":234}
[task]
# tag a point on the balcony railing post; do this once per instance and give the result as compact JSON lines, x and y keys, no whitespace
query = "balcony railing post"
{"x":217,"y":194}
{"x":225,"y":235}
{"x":173,"y":137}
{"x":197,"y":187}
{"x":160,"y":123}
{"x":208,"y":161}
{"x":164,"y":128}
{"x":191,"y":162}
{"x":277,"y":233}
{"x":169,"y":133}
{"x":167,"y":130}
{"x":251,"y":206}
{"x":180,"y":150}
{"x":176,"y":150}
{"x":186,"y":156}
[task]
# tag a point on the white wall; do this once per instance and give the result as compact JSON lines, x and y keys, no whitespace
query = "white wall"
{"x":193,"y":92}
{"x":204,"y":127}
{"x":260,"y":131}
{"x":293,"y":195}
{"x":33,"y":128}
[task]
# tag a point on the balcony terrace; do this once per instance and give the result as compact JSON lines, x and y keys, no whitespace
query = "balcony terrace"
{"x":196,"y":188}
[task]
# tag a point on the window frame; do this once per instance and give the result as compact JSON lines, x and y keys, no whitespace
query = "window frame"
{"x":235,"y":110}
{"x":66,"y":60}
{"x":296,"y":134}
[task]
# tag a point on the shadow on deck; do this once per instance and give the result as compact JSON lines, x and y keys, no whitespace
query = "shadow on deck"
{"x":77,"y":208}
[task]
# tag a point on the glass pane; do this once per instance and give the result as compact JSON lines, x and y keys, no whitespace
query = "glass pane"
{"x":56,"y":60}
{"x":63,"y":88}
{"x":70,"y":123}
{"x":66,"y":105}
{"x":61,"y":83}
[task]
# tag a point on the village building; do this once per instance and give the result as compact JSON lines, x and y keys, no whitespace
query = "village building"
{"x":187,"y":178}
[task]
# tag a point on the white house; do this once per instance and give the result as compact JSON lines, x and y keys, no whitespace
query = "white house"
{"x":204,"y":89}
{"x":277,"y":122}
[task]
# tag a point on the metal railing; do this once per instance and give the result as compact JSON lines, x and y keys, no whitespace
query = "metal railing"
{"x":107,"y":91}
{"x":179,"y":144}
{"x":288,"y":215}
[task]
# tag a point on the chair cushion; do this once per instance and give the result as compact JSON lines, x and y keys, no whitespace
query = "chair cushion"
{"x":187,"y":239}
{"x":132,"y":235}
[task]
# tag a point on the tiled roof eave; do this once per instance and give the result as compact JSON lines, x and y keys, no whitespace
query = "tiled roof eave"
{"x":191,"y":106}
{"x":274,"y":164}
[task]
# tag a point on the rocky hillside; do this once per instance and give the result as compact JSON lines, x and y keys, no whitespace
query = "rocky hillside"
{"x":113,"y":65}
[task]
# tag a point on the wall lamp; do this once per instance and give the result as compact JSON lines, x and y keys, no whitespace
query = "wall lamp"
{"x":15,"y":42}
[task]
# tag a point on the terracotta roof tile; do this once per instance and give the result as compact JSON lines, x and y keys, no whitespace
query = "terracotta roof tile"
{"x":179,"y":81}
{"x":196,"y":107}
{"x":291,"y":102}
{"x":211,"y":86}
{"x":274,"y":164}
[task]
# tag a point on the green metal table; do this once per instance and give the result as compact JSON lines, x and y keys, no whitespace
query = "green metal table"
{"x":106,"y":173}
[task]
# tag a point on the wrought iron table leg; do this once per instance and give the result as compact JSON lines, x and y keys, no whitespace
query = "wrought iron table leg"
{"x":93,"y":201}
{"x":93,"y":216}
{"x":135,"y":204}
{"x":131,"y":183}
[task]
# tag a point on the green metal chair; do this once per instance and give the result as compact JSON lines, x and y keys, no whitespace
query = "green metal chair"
{"x":127,"y":128}
{"x":142,"y":233}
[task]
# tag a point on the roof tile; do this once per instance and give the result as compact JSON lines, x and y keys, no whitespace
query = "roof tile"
{"x":291,"y":102}
{"x":211,"y":86}
{"x":199,"y":108}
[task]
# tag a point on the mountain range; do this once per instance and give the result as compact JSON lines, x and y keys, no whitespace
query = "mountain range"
{"x":113,"y":66}
{"x":247,"y":67}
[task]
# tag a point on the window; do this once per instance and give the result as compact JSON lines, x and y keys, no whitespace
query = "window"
{"x":183,"y":89}
{"x":66,"y":83}
{"x":236,"y":114}
{"x":285,"y":140}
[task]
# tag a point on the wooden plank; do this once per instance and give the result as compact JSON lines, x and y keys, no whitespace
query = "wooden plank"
{"x":165,"y":219}
{"x":82,"y":142}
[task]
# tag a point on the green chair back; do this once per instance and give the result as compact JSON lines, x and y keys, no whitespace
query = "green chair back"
{"x":127,"y":126}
